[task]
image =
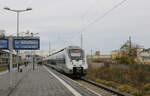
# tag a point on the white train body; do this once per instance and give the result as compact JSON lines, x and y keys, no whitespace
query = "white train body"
{"x":70,"y":60}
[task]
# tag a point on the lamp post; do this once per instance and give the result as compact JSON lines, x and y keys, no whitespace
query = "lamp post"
{"x":17,"y":11}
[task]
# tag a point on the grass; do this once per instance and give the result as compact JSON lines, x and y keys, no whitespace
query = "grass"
{"x":134,"y":80}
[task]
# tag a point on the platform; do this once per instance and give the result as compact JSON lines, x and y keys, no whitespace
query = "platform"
{"x":43,"y":81}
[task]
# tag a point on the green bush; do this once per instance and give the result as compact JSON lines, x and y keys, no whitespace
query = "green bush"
{"x":147,"y":87}
{"x":100,"y":81}
{"x":125,"y":88}
{"x":136,"y":92}
{"x":109,"y":83}
{"x":112,"y":84}
{"x":129,"y":89}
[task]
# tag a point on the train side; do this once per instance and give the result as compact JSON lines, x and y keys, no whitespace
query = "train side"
{"x":70,"y":60}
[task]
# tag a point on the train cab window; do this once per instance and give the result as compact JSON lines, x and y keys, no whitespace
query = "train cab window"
{"x":76,"y":54}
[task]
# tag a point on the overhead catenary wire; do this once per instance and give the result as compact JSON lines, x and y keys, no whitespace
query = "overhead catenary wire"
{"x":102,"y":16}
{"x":96,"y":20}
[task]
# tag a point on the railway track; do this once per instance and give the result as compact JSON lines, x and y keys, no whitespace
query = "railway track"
{"x":103,"y":89}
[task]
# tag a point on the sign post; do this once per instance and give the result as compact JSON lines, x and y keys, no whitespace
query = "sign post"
{"x":33,"y":58}
{"x":27,"y":44}
{"x":10,"y":62}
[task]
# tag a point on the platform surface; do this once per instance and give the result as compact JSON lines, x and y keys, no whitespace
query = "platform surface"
{"x":42,"y":81}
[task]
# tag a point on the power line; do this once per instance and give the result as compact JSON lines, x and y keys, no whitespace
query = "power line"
{"x":86,"y":12}
{"x":102,"y":16}
{"x":99,"y":18}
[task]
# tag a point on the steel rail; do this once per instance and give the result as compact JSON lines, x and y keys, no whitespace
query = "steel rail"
{"x":110,"y":89}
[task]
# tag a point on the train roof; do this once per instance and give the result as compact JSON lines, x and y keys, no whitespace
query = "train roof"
{"x":73,"y":47}
{"x":69,"y":47}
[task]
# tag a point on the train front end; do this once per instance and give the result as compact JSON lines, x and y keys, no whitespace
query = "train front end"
{"x":77,"y":62}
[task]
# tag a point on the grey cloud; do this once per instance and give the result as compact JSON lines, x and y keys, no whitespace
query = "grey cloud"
{"x":60,"y":20}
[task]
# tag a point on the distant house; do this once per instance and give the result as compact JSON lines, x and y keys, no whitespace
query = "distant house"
{"x":144,"y":56}
{"x":97,"y":57}
{"x":103,"y":58}
{"x":115,"y":54}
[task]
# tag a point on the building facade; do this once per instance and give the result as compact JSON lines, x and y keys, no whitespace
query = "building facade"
{"x":144,"y":57}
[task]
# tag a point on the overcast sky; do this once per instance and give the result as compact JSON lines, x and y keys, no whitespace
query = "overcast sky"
{"x":61,"y":22}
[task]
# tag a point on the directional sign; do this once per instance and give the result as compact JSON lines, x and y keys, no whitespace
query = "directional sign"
{"x":3,"y":43}
{"x":26,"y":44}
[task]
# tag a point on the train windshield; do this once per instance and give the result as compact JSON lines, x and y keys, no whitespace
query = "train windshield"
{"x":76,"y":54}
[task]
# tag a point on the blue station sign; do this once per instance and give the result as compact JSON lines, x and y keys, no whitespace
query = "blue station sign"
{"x":26,"y":44}
{"x":4,"y":44}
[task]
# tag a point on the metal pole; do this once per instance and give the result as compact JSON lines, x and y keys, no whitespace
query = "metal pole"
{"x":91,"y":55}
{"x":49,"y":48}
{"x":10,"y":67}
{"x":81,"y":40}
{"x":10,"y":62}
{"x":33,"y":59}
{"x":17,"y":36}
{"x":17,"y":23}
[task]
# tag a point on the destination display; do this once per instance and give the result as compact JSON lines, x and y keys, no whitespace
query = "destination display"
{"x":3,"y":43}
{"x":26,"y":44}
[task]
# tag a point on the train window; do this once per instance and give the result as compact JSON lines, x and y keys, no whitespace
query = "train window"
{"x":75,"y":51}
{"x":76,"y":54}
